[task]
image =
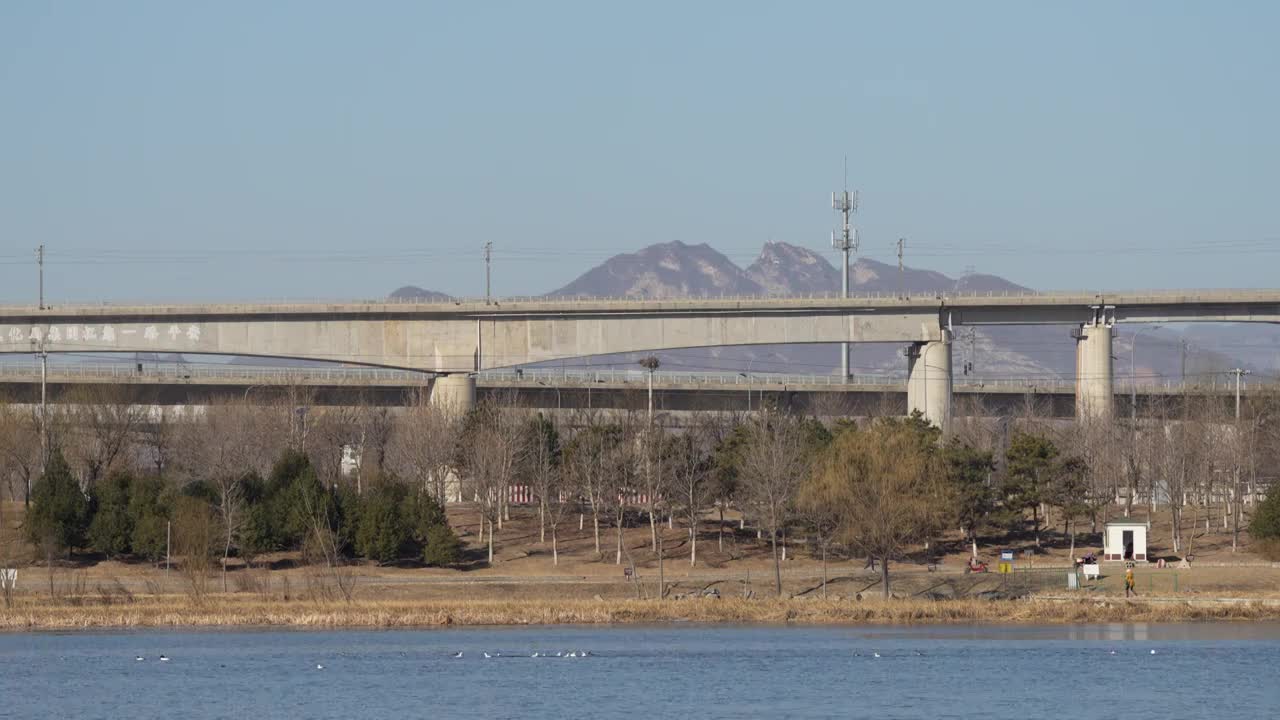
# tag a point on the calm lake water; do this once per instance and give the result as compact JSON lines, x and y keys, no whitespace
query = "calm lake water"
{"x":1198,"y":671}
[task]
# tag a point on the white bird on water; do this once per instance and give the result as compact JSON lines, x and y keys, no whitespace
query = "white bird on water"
{"x":139,"y":658}
{"x":319,"y":667}
{"x":1153,"y":652}
{"x":164,"y":658}
{"x":876,"y":654}
{"x":458,"y":654}
{"x":488,"y":655}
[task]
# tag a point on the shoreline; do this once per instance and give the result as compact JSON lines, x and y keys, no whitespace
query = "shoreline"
{"x":227,"y":612}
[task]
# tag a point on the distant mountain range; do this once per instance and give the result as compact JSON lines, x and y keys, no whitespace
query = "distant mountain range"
{"x":677,"y":269}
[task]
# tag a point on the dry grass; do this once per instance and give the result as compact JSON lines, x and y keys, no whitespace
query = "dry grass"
{"x":30,"y":613}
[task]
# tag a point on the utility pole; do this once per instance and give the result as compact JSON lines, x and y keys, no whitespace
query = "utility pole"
{"x":973,"y":341}
{"x":488,"y":262}
{"x":902,"y":280}
{"x":1235,"y":491}
{"x":845,"y":203}
{"x":40,"y":272}
{"x":1183,"y":377}
{"x":44,"y":407}
{"x":44,"y":365}
{"x":1238,"y":372}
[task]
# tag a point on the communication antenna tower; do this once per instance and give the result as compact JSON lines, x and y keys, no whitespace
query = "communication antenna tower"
{"x":845,"y":240}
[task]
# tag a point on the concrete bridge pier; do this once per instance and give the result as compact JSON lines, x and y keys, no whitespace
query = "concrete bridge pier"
{"x":929,"y":380}
{"x":455,"y":393}
{"x":1095,"y":392}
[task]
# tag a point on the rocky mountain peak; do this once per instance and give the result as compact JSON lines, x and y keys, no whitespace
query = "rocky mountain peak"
{"x":786,"y":269}
{"x":672,"y":269}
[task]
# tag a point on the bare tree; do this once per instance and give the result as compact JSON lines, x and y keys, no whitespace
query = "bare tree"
{"x":330,"y":432}
{"x":229,"y":444}
{"x":494,"y":449}
{"x":102,"y":423}
{"x":651,"y":479}
{"x":543,"y":470}
{"x":19,"y":448}
{"x":691,"y":469}
{"x":423,"y":445}
{"x":546,"y":474}
{"x":589,"y":460}
{"x":375,"y":427}
{"x":158,"y":436}
{"x":773,"y":463}
{"x":194,"y":538}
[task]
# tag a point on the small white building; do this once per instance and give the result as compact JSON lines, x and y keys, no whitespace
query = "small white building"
{"x":1125,"y":539}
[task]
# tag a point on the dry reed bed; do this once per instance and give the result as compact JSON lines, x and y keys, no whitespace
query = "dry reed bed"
{"x":35,"y":614}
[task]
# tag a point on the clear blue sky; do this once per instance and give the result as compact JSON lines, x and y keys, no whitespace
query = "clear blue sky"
{"x":221,"y":150}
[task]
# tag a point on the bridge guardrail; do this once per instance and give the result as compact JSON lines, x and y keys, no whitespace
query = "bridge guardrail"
{"x":551,"y":377}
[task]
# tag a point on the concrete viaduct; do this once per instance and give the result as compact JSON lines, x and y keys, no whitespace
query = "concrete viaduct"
{"x":454,"y":340}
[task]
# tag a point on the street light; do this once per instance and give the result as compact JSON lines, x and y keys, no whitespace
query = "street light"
{"x":246,"y":392}
{"x":1133,"y":377}
{"x":650,"y":363}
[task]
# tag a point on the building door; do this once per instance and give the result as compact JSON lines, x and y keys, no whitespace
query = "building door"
{"x":1127,"y":540}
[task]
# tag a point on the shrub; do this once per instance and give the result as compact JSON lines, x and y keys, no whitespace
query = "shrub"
{"x":382,"y":531}
{"x":443,"y":548}
{"x":111,"y":530}
{"x":149,"y":505}
{"x":1266,"y":519}
{"x":60,"y":512}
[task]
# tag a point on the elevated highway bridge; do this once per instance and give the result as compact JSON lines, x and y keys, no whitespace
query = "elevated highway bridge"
{"x":177,"y":384}
{"x":457,"y":340}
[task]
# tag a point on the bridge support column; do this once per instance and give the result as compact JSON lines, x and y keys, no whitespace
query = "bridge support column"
{"x":454,"y":393}
{"x":1095,"y":393}
{"x":929,"y":380}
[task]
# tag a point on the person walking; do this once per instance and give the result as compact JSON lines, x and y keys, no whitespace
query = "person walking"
{"x":1128,"y":582}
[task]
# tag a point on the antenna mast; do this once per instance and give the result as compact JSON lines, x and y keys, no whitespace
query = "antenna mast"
{"x":846,"y":240}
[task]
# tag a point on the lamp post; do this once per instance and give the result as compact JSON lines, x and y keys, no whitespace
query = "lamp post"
{"x":1133,"y":377}
{"x":650,"y":363}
